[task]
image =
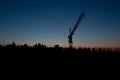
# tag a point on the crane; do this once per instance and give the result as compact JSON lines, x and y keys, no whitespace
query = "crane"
{"x":71,"y":32}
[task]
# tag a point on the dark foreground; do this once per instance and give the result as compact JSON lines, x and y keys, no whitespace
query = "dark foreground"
{"x":39,"y":55}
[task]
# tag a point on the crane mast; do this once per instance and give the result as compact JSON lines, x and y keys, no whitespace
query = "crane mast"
{"x":74,"y":29}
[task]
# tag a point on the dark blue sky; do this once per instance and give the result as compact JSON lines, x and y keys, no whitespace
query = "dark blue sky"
{"x":48,"y":22}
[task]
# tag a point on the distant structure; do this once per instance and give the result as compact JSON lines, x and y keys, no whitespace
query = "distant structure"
{"x":71,"y":33}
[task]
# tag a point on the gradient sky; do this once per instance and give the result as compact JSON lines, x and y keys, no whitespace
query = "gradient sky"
{"x":48,"y":22}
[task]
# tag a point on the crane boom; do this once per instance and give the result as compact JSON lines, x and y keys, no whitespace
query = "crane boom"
{"x":75,"y":27}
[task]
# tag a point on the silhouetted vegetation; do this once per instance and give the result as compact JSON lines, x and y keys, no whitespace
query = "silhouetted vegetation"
{"x":40,"y":53}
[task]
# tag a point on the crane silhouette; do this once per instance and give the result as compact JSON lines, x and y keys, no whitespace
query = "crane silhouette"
{"x":71,"y":32}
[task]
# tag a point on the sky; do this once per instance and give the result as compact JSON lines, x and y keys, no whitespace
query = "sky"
{"x":48,"y":22}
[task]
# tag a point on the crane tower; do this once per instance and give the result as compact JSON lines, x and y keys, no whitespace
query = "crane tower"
{"x":71,"y":33}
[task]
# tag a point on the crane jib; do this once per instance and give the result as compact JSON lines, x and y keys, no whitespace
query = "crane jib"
{"x":77,"y":23}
